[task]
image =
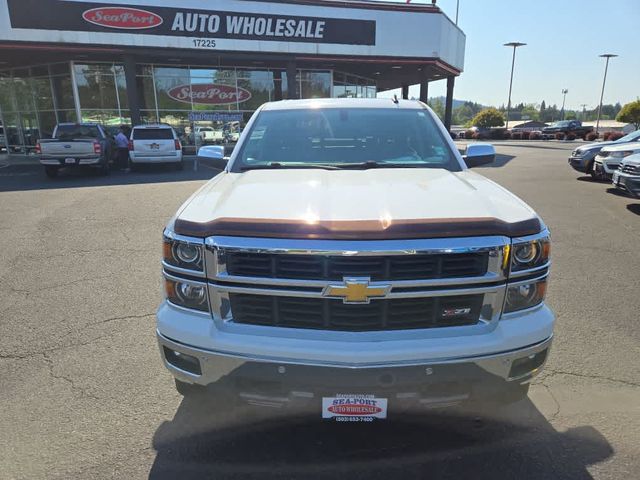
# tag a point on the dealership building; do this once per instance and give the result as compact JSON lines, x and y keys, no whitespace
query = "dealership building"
{"x":208,"y":63}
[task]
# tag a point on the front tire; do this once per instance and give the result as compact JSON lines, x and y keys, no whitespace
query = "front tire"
{"x":51,"y":171}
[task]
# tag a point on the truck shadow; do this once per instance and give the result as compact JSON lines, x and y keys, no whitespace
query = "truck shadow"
{"x":208,"y":438}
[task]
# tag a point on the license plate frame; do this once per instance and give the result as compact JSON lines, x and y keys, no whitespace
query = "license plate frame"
{"x":352,"y":407}
{"x":69,"y":161}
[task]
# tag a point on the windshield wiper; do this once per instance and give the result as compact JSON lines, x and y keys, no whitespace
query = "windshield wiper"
{"x":277,"y":165}
{"x":373,"y":164}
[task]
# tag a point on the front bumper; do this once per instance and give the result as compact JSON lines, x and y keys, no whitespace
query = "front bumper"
{"x":433,"y":382}
{"x":579,"y":164}
{"x":605,"y":169}
{"x":630,"y":183}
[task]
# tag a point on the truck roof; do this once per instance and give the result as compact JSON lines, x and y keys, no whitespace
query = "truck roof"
{"x":343,"y":103}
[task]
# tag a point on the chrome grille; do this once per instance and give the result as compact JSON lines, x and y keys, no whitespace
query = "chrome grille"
{"x":632,"y":169}
{"x":329,"y":314}
{"x":429,"y":284}
{"x":320,"y":267}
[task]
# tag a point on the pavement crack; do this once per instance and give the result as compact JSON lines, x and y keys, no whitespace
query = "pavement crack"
{"x":552,"y":373}
{"x":46,"y":351}
{"x":69,"y":380}
{"x":555,"y":414}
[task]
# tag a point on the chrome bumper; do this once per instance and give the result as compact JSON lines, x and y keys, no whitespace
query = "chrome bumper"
{"x":480,"y":374}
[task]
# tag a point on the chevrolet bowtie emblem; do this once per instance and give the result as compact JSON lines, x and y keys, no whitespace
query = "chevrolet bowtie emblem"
{"x":356,"y":290}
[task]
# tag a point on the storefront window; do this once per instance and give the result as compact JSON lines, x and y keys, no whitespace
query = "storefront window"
{"x":259,"y":83}
{"x":173,"y":92}
{"x":7,"y":95}
{"x":63,"y":91}
{"x":96,"y":91}
{"x":47,"y":121}
{"x":315,"y":84}
{"x":215,"y":90}
{"x":42,"y":93}
{"x":23,"y":94}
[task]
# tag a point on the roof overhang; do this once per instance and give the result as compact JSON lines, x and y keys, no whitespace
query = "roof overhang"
{"x":396,"y":42}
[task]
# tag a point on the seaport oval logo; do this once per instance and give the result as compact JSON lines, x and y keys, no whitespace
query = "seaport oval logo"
{"x":209,"y":94}
{"x":122,"y":17}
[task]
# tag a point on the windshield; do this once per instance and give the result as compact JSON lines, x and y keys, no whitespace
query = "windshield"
{"x":345,"y":138}
{"x":72,"y":132}
{"x":564,"y":123}
{"x":631,"y":137}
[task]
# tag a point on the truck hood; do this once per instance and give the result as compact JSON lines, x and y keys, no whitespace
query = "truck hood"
{"x":375,"y":203}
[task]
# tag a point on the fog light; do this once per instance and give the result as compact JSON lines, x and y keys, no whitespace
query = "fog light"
{"x":182,"y":361}
{"x":527,"y":365}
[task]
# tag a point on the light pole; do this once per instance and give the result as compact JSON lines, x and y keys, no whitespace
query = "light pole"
{"x":513,"y":61}
{"x":584,"y":111}
{"x":564,"y":97}
{"x":457,"y":9}
{"x":604,"y":80}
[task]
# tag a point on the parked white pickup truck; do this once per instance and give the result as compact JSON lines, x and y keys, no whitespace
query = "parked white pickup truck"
{"x":76,"y":144}
{"x":347,"y":258}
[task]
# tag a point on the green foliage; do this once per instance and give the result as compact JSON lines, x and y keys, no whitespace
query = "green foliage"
{"x":630,"y":113}
{"x":437,"y":106}
{"x":487,"y":118}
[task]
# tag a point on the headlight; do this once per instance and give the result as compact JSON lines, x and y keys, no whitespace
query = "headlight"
{"x":525,"y":295}
{"x":621,"y":154}
{"x":531,"y":254}
{"x":181,"y":253}
{"x":187,"y":294}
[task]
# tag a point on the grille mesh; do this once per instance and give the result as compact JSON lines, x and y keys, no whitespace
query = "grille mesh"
{"x":332,"y":314}
{"x":392,"y":267}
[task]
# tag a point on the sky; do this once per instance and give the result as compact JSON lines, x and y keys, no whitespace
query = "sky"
{"x":564,"y":39}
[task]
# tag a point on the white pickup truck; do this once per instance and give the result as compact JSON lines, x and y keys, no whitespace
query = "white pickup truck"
{"x":348,"y":259}
{"x":74,"y":145}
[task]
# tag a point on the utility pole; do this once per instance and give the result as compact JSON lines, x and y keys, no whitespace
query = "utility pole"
{"x":513,"y":61}
{"x":457,"y":10}
{"x":604,"y":80}
{"x":564,"y":97}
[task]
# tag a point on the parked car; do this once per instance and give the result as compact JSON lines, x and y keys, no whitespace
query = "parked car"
{"x":75,"y":145}
{"x":609,"y":158}
{"x":428,"y":291}
{"x":568,"y":126}
{"x":155,"y":143}
{"x":582,"y":158}
{"x":627,"y":177}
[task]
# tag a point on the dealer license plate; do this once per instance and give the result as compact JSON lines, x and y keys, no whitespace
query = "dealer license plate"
{"x":69,"y":160}
{"x":354,"y":408}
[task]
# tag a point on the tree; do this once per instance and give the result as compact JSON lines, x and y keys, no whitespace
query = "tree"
{"x":489,"y":117}
{"x":438,"y":107}
{"x":630,"y":113}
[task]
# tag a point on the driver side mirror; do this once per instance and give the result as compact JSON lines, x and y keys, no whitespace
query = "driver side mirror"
{"x":214,"y":154}
{"x":479,"y":154}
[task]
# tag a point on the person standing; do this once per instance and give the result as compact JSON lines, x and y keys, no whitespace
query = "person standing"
{"x":122,"y":144}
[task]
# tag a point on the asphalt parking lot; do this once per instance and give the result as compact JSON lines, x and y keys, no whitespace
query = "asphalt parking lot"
{"x":84,"y":394}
